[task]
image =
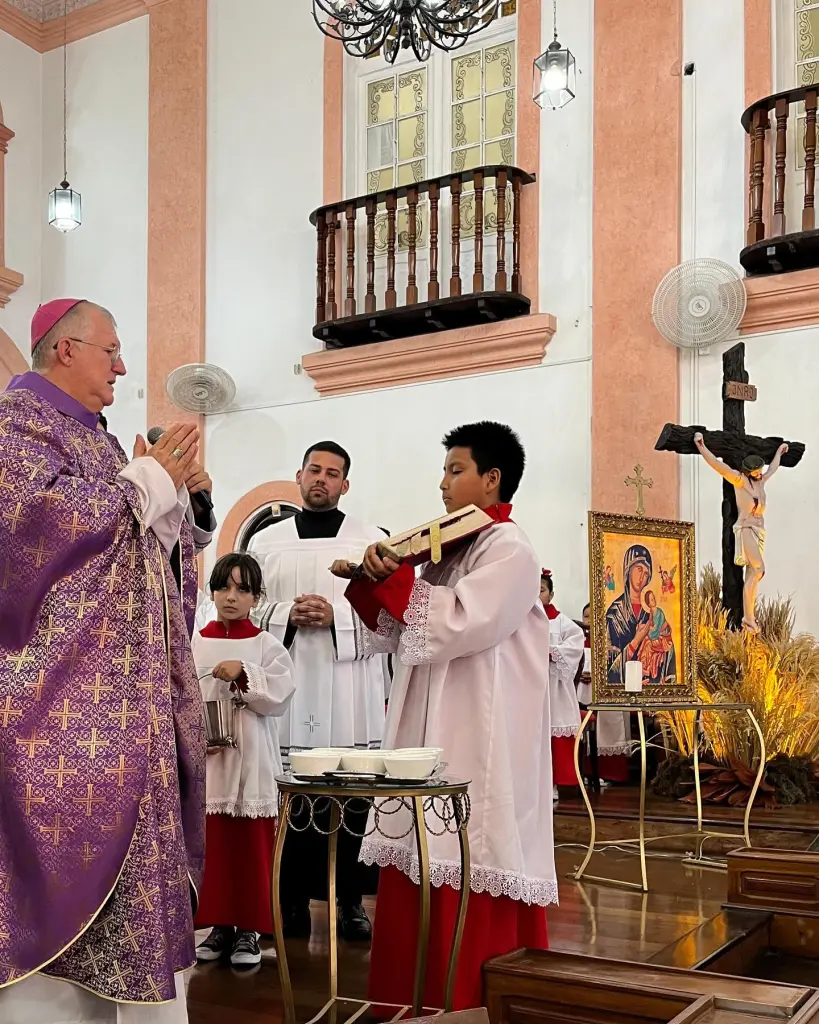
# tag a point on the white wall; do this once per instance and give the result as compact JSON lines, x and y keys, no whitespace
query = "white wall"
{"x":566,"y":188}
{"x":394,"y":439}
{"x":782,"y":365}
{"x":265,"y":174}
{"x":21,"y":100}
{"x":104,"y":260}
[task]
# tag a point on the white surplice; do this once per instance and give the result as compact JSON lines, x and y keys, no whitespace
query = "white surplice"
{"x":613,"y":728}
{"x":474,"y":680}
{"x":240,"y":781}
{"x":340,"y":686}
{"x":566,"y":643}
{"x":43,"y":1000}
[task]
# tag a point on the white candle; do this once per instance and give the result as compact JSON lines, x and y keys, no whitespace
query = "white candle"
{"x":634,"y":677}
{"x":587,"y":664}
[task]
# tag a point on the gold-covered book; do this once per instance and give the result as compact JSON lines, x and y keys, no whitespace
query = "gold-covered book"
{"x":427,"y":543}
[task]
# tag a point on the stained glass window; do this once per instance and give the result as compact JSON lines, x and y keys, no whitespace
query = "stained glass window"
{"x":483,"y":122}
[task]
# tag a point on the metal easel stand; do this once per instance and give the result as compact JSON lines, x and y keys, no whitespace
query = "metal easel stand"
{"x":700,"y":834}
{"x":447,"y":804}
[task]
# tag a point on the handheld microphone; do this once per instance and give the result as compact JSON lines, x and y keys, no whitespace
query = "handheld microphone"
{"x":154,"y":435}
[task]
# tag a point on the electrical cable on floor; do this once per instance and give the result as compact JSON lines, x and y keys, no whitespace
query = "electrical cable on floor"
{"x":624,"y":849}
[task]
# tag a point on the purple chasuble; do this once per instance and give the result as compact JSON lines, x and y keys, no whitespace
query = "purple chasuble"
{"x":101,"y":731}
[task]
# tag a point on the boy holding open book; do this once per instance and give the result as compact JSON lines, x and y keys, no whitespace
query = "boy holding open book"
{"x":470,"y":635}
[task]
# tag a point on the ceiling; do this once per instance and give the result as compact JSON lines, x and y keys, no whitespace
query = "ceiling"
{"x":47,"y":10}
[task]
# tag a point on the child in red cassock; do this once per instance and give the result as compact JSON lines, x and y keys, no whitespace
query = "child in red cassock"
{"x":470,"y":635}
{"x":235,"y":657}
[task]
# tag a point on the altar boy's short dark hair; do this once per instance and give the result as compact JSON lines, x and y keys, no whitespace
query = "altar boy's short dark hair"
{"x":250,"y":573}
{"x":493,"y":446}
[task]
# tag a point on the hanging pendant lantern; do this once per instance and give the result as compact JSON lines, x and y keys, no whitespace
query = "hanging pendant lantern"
{"x":64,"y":202}
{"x":64,"y":207}
{"x":555,"y":72}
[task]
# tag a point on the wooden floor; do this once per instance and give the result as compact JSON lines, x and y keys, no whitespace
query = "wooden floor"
{"x":591,"y":919}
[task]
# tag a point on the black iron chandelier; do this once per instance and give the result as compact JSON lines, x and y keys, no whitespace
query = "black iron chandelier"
{"x":367,"y":26}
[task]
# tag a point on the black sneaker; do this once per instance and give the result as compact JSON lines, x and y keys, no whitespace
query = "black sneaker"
{"x":353,"y":923}
{"x":246,"y":952}
{"x":296,"y":921}
{"x":218,"y":944}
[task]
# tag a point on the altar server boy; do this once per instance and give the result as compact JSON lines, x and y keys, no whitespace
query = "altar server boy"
{"x":472,"y":642}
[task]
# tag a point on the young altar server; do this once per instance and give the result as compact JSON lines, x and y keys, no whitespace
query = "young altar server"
{"x":235,"y":657}
{"x":566,"y":645}
{"x":470,"y":635}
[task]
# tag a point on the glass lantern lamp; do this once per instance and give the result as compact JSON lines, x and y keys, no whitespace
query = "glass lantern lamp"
{"x":64,"y":207}
{"x":555,"y":72}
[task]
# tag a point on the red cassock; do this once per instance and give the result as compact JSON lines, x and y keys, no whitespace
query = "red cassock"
{"x":494,"y":925}
{"x":238,"y":867}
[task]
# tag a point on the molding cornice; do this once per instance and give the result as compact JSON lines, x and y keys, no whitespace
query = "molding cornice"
{"x":779,"y":301}
{"x":10,"y":281}
{"x":86,"y":21}
{"x":21,"y":26}
{"x":487,"y":348}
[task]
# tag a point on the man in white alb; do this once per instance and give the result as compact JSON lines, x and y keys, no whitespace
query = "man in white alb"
{"x":340,"y":689}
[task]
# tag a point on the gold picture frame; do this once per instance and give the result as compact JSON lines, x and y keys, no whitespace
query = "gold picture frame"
{"x":626,"y":556}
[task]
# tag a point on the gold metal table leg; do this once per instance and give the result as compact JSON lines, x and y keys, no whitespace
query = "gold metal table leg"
{"x":592,"y":824}
{"x":276,"y":907}
{"x":695,"y":746}
{"x":759,"y":776}
{"x":457,"y":938}
{"x":641,"y":726}
{"x":423,"y":919}
{"x":332,"y":910}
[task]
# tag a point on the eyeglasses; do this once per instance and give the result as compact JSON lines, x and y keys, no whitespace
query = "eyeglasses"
{"x":115,"y":353}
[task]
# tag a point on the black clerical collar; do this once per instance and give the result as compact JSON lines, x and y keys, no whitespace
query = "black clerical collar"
{"x":312,"y":523}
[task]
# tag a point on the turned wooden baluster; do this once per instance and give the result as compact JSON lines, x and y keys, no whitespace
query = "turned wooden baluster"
{"x":808,"y":212}
{"x":321,"y":269}
{"x":477,"y":277}
{"x":759,"y":128}
{"x":500,"y":194}
{"x":369,"y":298}
{"x":782,"y":111}
{"x":349,"y":305}
{"x":412,"y":218}
{"x":455,"y":278}
{"x":390,"y":296}
{"x":332,"y":224}
{"x":516,"y":282}
{"x":434,"y":289}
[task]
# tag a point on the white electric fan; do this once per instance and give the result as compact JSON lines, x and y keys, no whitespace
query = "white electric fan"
{"x":699,"y":303}
{"x":201,"y":388}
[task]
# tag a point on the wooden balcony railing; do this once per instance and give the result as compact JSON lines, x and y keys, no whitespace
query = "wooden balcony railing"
{"x":782,"y":232}
{"x":348,"y":311}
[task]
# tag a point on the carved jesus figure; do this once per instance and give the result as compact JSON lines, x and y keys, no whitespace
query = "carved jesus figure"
{"x":749,"y":529}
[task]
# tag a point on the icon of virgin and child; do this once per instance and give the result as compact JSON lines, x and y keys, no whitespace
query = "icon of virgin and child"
{"x":637,"y":627}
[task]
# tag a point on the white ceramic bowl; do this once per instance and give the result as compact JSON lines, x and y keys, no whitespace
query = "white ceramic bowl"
{"x":422,"y":752}
{"x":371,"y":761}
{"x":314,"y":762}
{"x":400,"y":766}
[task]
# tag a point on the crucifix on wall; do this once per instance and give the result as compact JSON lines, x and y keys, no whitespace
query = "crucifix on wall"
{"x":740,"y":459}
